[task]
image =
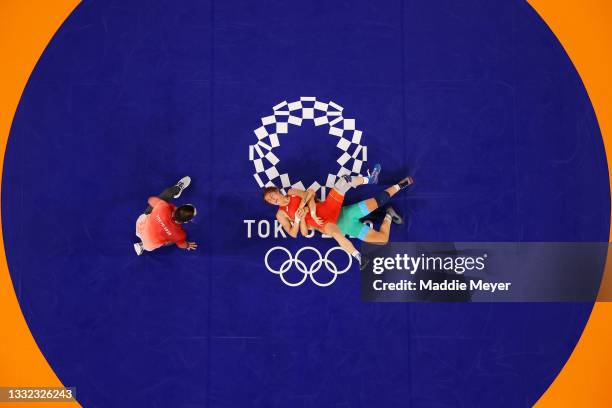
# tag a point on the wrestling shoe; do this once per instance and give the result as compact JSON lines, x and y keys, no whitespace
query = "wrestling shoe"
{"x":139,"y":248}
{"x":363,"y":262}
{"x":182,"y":184}
{"x":395,"y":217}
{"x":373,"y":176}
{"x":405,"y":182}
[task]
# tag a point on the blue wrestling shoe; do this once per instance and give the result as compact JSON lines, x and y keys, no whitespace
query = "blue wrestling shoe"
{"x":373,"y":176}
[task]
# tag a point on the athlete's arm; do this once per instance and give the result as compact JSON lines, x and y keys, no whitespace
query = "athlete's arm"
{"x":304,"y":230}
{"x":312,"y":205}
{"x":291,"y":229}
{"x":306,"y":196}
{"x":310,"y":200}
{"x":296,"y":192}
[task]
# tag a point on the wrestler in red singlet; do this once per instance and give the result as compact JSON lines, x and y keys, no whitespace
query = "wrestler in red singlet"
{"x":328,"y":210}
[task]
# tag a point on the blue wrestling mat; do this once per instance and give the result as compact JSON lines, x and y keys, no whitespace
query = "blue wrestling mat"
{"x":476,"y":100}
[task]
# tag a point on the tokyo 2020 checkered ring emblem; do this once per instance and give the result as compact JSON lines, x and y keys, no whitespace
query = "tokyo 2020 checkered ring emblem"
{"x":307,"y":271}
{"x":352,"y":157}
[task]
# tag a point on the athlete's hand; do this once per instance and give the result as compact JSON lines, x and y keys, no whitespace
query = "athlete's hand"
{"x":191,"y":246}
{"x":300,"y":213}
{"x":317,"y":219}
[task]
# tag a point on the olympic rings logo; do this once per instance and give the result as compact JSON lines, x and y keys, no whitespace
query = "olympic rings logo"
{"x":307,"y":271}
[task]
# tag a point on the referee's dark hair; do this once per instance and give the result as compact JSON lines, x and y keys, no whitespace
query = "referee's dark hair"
{"x":184,"y":213}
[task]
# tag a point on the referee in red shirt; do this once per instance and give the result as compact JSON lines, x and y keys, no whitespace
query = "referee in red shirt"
{"x":161,"y":223}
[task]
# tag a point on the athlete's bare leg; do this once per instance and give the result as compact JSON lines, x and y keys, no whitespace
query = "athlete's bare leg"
{"x":373,"y":203}
{"x":344,"y":183}
{"x":357,"y":181}
{"x":382,"y":236}
{"x":333,"y":231}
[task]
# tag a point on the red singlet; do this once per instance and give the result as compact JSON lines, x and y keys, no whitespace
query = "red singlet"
{"x":328,"y":210}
